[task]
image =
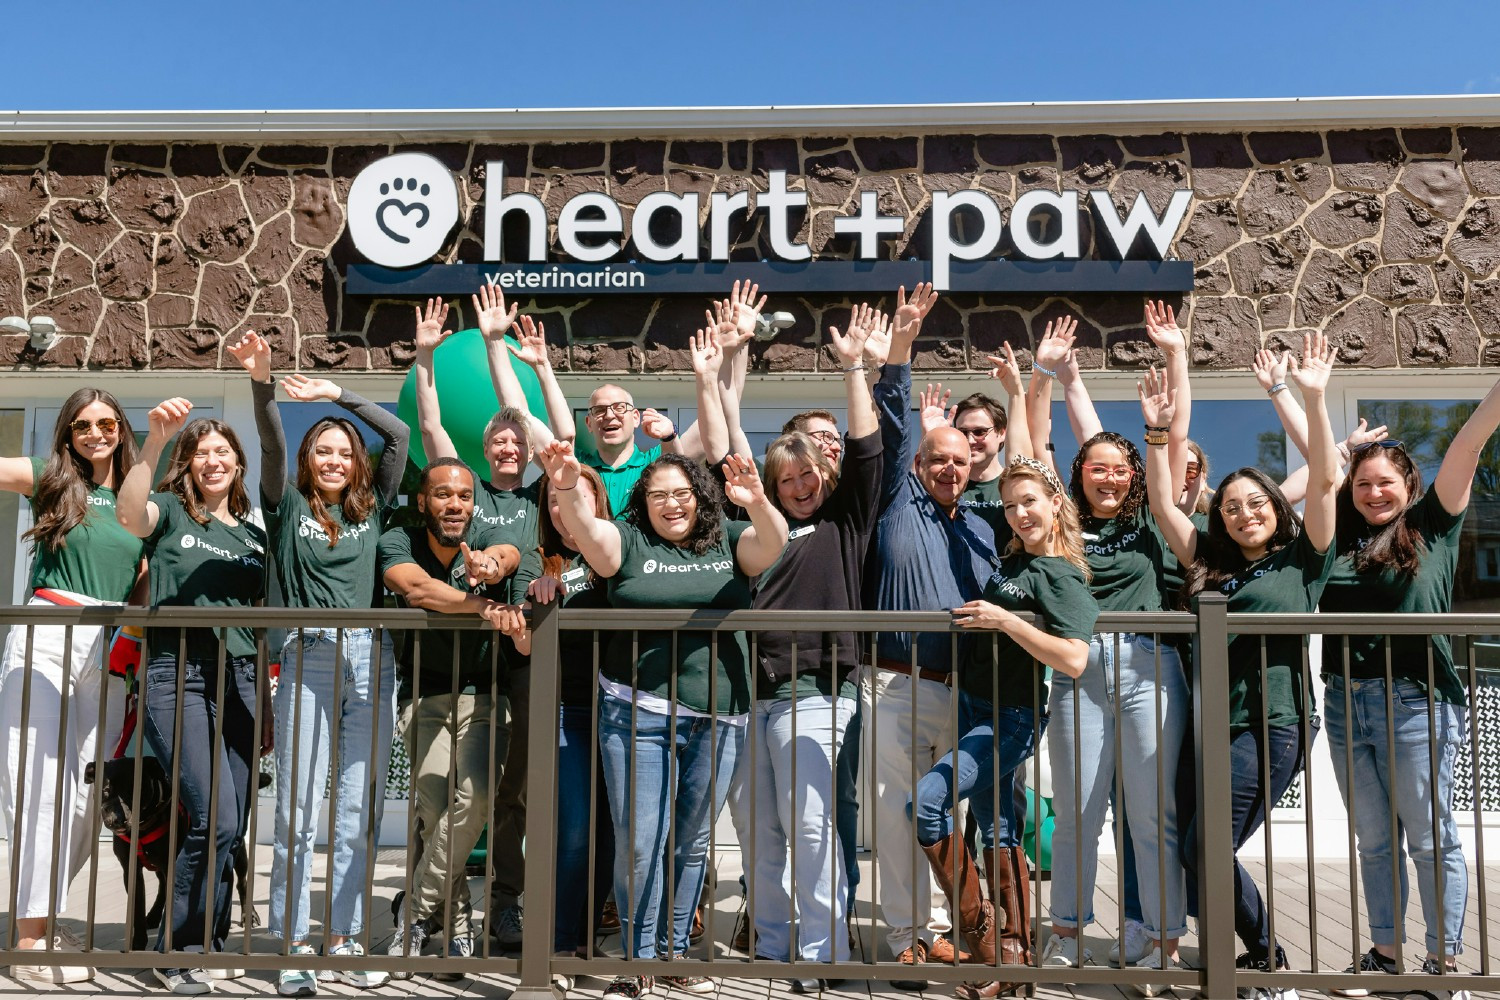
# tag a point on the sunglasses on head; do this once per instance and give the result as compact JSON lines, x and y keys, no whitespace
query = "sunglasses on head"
{"x":1387,"y":443}
{"x":106,"y":425}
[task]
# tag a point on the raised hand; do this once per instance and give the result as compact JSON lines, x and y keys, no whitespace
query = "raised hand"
{"x":560,"y":464}
{"x":705,"y":355}
{"x":742,"y":485}
{"x":721,"y":321}
{"x":656,"y":424}
{"x":878,"y":343}
{"x":1006,"y":370}
{"x":1161,"y":327}
{"x":545,"y":589}
{"x":932,"y":407}
{"x":851,"y":347}
{"x":430,"y":332}
{"x":531,"y":342}
{"x":490,"y":312}
{"x":744,"y":309}
{"x":1158,"y":404}
{"x":982,"y":614}
{"x":310,"y":390}
{"x":480,"y":567}
{"x":911,"y":312}
{"x":1311,"y":373}
{"x":1270,"y":368}
{"x":1363,"y":435}
{"x":1056,"y":343}
{"x":1067,"y":371}
{"x":167,"y":418}
{"x":253,"y":352}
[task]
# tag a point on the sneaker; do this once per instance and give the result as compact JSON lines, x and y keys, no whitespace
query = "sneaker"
{"x":1434,"y":967}
{"x":186,"y":982}
{"x":222,"y":975}
{"x":628,"y":987}
{"x":1244,"y":961}
{"x":401,"y":947}
{"x":1370,"y":961}
{"x":1152,"y":960}
{"x":1062,"y":953}
{"x":1137,"y":943}
{"x":460,"y":947}
{"x":351,"y":948}
{"x":915,"y":955}
{"x":507,"y":929}
{"x":53,"y":975}
{"x":298,"y":982}
{"x":689,"y":983}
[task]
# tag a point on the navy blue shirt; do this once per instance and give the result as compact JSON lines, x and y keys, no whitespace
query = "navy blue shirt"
{"x":923,"y":558}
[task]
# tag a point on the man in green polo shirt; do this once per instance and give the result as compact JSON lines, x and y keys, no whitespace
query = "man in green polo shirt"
{"x":612,"y":419}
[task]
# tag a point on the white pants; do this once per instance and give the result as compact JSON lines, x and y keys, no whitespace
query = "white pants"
{"x":58,"y":824}
{"x":890,"y":742}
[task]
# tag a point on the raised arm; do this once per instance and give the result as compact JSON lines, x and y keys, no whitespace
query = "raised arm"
{"x":133,"y":506}
{"x":1018,"y":439}
{"x":1455,"y":478}
{"x":745,"y":306}
{"x":417,"y":589}
{"x":899,"y":433}
{"x":493,"y":319}
{"x":1082,"y":417}
{"x":1161,"y":327}
{"x":762,"y":543}
{"x":531,"y":348}
{"x":714,"y":430}
{"x":1052,"y":353}
{"x":850,"y":348}
{"x":1271,"y":372}
{"x":1311,"y":377}
{"x":254,"y":355}
{"x":436,"y":442}
{"x":598,"y":540}
{"x":1161,"y":491}
{"x":933,"y":410}
{"x":392,"y":430}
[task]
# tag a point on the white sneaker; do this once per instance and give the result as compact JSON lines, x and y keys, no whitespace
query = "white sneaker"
{"x":53,"y":975}
{"x":1152,"y":960}
{"x":298,"y":982}
{"x":222,"y":974}
{"x":350,"y":948}
{"x":185,"y":982}
{"x":1062,"y":953}
{"x":1138,"y":944}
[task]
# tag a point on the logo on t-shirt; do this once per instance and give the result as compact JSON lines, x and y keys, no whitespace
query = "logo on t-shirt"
{"x":97,"y":501}
{"x":1123,"y":542}
{"x":1007,"y":586}
{"x":194,"y":542}
{"x":718,"y":565}
{"x":500,"y":519}
{"x":310,"y":528}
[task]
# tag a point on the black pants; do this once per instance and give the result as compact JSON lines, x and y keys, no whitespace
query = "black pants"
{"x":232,"y":763}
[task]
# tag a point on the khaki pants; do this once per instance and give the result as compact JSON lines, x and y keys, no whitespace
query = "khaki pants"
{"x":508,"y":829}
{"x":446,"y":732}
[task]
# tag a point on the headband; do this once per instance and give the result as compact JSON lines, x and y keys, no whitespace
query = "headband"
{"x":1040,"y":468}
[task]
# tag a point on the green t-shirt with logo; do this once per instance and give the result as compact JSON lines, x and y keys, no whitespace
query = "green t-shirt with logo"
{"x":996,"y":669}
{"x":311,"y":573}
{"x":213,"y":565}
{"x":410,"y":544}
{"x":97,"y":558}
{"x":619,"y":480}
{"x":654,"y":573}
{"x":1429,"y":591}
{"x":1126,"y":557}
{"x":512,"y":512}
{"x":1289,"y":580}
{"x":984,"y":500}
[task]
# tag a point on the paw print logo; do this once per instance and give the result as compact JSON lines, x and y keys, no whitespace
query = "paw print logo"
{"x":401,"y":208}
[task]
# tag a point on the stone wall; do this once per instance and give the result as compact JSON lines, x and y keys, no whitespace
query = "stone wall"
{"x":151,"y":255}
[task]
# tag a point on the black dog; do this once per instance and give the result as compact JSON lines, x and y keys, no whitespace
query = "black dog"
{"x":151,"y":850}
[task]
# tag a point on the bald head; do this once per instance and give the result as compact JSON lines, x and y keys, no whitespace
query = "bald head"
{"x":943,"y":465}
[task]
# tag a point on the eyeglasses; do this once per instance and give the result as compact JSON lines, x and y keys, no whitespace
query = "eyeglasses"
{"x":1254,"y":505}
{"x":618,"y":409}
{"x":106,"y":425}
{"x":976,"y":432}
{"x":658,"y":498}
{"x":1387,"y":443}
{"x":1101,"y":473}
{"x":824,"y":437}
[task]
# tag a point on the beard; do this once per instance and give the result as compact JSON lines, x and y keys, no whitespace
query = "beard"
{"x":438,"y":529}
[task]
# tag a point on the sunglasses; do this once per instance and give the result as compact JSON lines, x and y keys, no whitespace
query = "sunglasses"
{"x":1387,"y":443}
{"x":106,"y":425}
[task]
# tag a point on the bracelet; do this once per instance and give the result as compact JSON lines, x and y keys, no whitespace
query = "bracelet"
{"x":670,"y":437}
{"x":1275,"y":388}
{"x":564,"y":489}
{"x":856,"y":368}
{"x":1151,"y":430}
{"x":1051,"y":446}
{"x":1157,"y":439}
{"x":1038,"y":368}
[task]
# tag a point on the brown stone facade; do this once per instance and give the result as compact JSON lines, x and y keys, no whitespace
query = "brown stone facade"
{"x":150,"y":255}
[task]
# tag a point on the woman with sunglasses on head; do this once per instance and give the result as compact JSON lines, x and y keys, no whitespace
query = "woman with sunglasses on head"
{"x":1397,"y":554}
{"x":1132,"y":680}
{"x":324,"y":525}
{"x":81,"y":557}
{"x":1256,"y":553}
{"x":203,"y":551}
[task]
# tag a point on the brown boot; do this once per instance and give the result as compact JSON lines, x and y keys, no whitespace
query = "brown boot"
{"x":1006,"y":871}
{"x":975,"y":916}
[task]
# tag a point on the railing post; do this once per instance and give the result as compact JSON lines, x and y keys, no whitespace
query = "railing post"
{"x":1215,"y":846}
{"x":541,"y":796}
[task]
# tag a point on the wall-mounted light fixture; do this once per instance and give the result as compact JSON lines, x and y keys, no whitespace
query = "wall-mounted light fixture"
{"x":41,"y":329}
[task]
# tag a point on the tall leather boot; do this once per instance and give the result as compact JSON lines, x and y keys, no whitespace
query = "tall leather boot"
{"x":975,"y":915}
{"x":1010,"y":887}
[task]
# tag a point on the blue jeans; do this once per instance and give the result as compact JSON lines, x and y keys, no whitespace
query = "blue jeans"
{"x":1118,"y":689}
{"x":577,"y":763}
{"x":994,"y":739}
{"x":1401,"y":778}
{"x":308,"y":713}
{"x":232,"y":762}
{"x":650,"y":798}
{"x":846,"y":803}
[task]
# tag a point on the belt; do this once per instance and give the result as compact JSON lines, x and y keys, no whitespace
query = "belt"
{"x":902,"y":667}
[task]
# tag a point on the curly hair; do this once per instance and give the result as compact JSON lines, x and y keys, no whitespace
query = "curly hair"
{"x":1135,"y":494}
{"x":358,"y":496}
{"x":708,"y":521}
{"x":179,"y":477}
{"x":1069,"y":532}
{"x":1397,"y":544}
{"x":60,"y":494}
{"x":1219,"y":556}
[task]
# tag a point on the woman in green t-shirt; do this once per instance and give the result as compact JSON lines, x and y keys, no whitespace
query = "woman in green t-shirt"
{"x":1255,"y":552}
{"x":82,"y":556}
{"x":203,"y":551}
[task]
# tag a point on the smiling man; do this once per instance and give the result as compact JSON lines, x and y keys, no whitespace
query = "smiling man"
{"x":612,"y":418}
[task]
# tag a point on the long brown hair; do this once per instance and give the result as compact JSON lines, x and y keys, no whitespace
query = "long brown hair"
{"x":358,"y":498}
{"x":550,"y":544}
{"x":60,"y":494}
{"x":1395,"y":545}
{"x":179,"y":477}
{"x":1069,"y":531}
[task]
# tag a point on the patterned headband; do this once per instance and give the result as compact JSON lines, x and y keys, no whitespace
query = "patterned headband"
{"x":1040,"y":468}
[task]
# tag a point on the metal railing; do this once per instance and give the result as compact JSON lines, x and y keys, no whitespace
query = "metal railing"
{"x":1209,"y":631}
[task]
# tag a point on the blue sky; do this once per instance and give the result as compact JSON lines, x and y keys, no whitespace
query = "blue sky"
{"x":71,"y":55}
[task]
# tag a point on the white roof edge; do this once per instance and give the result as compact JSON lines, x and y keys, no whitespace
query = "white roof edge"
{"x":1119,"y":117}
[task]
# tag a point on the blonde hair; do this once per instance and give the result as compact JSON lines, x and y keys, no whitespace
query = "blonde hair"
{"x":1069,"y":534}
{"x":791,"y":450}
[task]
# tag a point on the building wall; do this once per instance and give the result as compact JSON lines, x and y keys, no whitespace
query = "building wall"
{"x":150,"y":255}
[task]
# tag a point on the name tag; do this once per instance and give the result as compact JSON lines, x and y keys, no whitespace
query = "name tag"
{"x":806,"y":529}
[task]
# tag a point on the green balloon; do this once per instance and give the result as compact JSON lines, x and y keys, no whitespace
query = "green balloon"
{"x":1036,"y":812}
{"x":1040,"y":853}
{"x":466,"y":395}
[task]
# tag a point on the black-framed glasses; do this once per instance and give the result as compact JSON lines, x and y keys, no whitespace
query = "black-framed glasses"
{"x":106,"y":425}
{"x":618,"y":409}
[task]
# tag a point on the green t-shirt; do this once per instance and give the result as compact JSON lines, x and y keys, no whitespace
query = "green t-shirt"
{"x":311,"y":573}
{"x":657,"y":574}
{"x":1386,"y":592}
{"x":1289,"y":580}
{"x":619,"y":480}
{"x":576,"y":646}
{"x":1172,"y":575}
{"x":984,"y":500}
{"x":513,"y":512}
{"x":213,"y":565}
{"x":1126,"y":557}
{"x":410,"y":545}
{"x":97,"y":558}
{"x":996,"y":669}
